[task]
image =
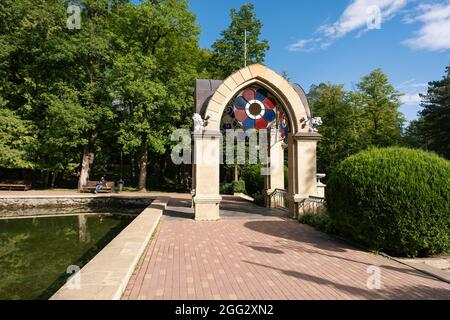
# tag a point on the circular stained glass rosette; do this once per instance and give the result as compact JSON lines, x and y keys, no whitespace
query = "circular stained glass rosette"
{"x":254,"y":109}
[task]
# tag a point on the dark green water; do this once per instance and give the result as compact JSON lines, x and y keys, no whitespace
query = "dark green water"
{"x":35,"y":252}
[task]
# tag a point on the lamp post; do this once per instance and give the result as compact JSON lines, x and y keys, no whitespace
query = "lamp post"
{"x":120,"y":107}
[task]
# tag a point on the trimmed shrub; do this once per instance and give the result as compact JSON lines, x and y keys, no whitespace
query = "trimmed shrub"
{"x":238,"y":186}
{"x":396,"y":200}
{"x":259,"y":199}
{"x":226,"y":188}
{"x":321,"y":221}
{"x":233,"y":187}
{"x":254,"y":181}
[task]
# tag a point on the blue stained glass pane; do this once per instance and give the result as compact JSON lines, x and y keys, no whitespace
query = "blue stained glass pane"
{"x":248,"y":123}
{"x":269,"y":115}
{"x":240,"y":103}
{"x":261,"y":94}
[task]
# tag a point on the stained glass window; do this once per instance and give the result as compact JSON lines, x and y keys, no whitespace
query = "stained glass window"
{"x":255,"y":108}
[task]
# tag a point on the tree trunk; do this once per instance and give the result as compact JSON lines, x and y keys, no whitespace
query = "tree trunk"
{"x":52,"y":185}
{"x":236,"y":172}
{"x":87,"y":161}
{"x":143,"y":168}
{"x":46,"y":176}
{"x":133,"y":168}
{"x":84,"y":172}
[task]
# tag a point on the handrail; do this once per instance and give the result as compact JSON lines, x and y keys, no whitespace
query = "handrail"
{"x":277,"y":191}
{"x":277,"y":199}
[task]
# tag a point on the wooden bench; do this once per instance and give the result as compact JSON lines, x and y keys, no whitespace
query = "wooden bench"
{"x":15,"y":186}
{"x":91,"y":185}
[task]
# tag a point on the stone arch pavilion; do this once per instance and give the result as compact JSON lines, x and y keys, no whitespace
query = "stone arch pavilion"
{"x":258,"y":98}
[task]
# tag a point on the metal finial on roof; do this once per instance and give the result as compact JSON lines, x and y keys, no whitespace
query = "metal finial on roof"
{"x":245,"y":48}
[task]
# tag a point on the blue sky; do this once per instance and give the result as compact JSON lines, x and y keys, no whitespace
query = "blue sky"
{"x":329,"y":41}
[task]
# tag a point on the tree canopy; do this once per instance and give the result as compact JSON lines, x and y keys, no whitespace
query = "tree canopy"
{"x":229,"y":51}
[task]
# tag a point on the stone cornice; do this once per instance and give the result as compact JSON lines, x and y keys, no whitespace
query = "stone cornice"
{"x":307,"y":136}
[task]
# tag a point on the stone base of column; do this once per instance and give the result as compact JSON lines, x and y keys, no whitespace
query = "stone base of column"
{"x":294,"y":201}
{"x":207,"y":207}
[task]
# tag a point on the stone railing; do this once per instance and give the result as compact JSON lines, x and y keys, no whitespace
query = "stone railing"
{"x":311,"y":205}
{"x":278,"y":199}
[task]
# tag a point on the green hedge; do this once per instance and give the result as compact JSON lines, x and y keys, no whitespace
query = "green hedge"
{"x":233,"y":187}
{"x":395,"y":199}
{"x":238,"y":186}
{"x":320,"y":221}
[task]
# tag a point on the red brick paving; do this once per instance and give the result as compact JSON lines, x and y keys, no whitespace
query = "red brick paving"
{"x":267,"y":258}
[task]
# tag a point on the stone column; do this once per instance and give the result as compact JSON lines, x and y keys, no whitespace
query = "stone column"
{"x":302,"y":169}
{"x":207,"y":159}
{"x":276,"y":178}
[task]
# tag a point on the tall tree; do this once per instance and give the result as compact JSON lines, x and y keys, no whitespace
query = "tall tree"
{"x":229,"y":51}
{"x":17,"y":139}
{"x":415,"y":135}
{"x":356,"y":120}
{"x":156,"y":61}
{"x":435,"y":115}
{"x":340,"y":135}
{"x":240,"y":45}
{"x":379,"y":103}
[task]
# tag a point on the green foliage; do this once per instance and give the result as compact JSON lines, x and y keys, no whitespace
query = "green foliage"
{"x":62,"y":132}
{"x":341,"y":135}
{"x":254,"y":181}
{"x":228,"y":52}
{"x":233,"y":187}
{"x":239,"y":186}
{"x":63,"y":82}
{"x":259,"y":198}
{"x":393,"y":199}
{"x":379,"y":102}
{"x":226,"y":188}
{"x":355,"y":121}
{"x":321,"y":221}
{"x":432,"y":130}
{"x":415,"y":136}
{"x":17,"y":138}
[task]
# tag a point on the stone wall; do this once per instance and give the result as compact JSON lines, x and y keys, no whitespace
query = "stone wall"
{"x":37,"y":206}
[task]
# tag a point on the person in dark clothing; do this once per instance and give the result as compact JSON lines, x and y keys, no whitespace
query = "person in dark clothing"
{"x":101,"y":185}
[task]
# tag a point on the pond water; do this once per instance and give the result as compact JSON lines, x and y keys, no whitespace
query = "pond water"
{"x":36,"y":252}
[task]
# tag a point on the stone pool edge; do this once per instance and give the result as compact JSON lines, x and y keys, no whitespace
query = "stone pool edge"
{"x":106,"y":276}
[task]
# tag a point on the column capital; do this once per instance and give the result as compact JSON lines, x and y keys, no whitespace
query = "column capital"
{"x":307,"y":136}
{"x":207,"y":134}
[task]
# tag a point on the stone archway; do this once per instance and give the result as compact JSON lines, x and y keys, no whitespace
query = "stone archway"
{"x":212,"y":97}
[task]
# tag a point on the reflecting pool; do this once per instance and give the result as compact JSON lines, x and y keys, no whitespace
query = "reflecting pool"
{"x":35,"y":253}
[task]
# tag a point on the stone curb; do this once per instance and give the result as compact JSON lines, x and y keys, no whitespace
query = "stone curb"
{"x":106,"y":276}
{"x":422,"y":267}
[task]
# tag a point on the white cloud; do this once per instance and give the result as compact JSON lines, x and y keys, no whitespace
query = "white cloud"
{"x":309,"y":45}
{"x":411,"y":99}
{"x":356,"y":17}
{"x":434,"y":35}
{"x":412,"y":91}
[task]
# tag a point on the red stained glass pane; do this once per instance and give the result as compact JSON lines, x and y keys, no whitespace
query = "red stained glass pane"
{"x":249,"y":94}
{"x":240,"y":114}
{"x":269,"y":103}
{"x":261,"y":123}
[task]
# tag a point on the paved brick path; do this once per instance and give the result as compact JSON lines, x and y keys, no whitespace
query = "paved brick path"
{"x":252,"y":254}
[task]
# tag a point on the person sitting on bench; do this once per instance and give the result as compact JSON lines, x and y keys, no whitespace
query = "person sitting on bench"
{"x":101,"y":185}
